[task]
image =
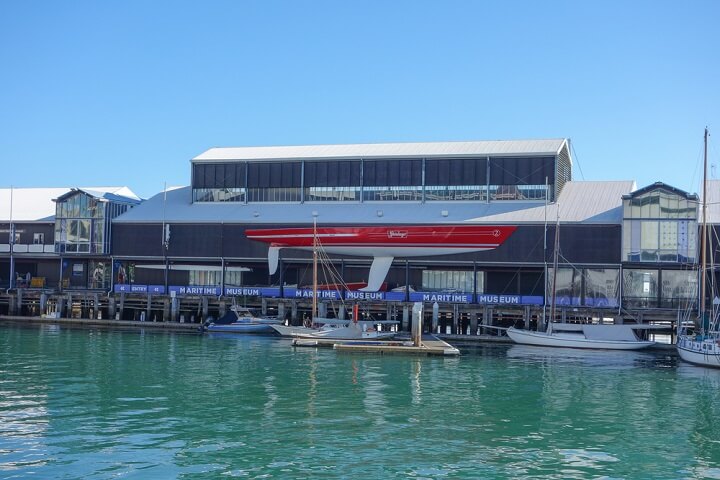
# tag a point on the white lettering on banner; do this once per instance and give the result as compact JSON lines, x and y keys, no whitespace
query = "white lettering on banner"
{"x":138,"y":288}
{"x":352,"y":295}
{"x":252,"y":292}
{"x":445,"y":297}
{"x":504,"y":299}
{"x":320,"y":294}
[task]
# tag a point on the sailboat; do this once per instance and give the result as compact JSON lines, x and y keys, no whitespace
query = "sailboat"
{"x":702,"y":347}
{"x":594,"y":336}
{"x":337,"y":329}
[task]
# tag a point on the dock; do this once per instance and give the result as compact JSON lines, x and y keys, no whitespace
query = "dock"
{"x":430,"y":345}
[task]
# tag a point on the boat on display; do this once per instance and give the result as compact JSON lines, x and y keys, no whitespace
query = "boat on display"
{"x":702,"y":346}
{"x":383,"y":242}
{"x":242,"y":320}
{"x":576,"y":335}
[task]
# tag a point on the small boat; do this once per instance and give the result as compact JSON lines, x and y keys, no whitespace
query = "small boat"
{"x":318,"y":325}
{"x":242,"y":320}
{"x":362,"y":330}
{"x":606,"y":337}
{"x":596,"y":336}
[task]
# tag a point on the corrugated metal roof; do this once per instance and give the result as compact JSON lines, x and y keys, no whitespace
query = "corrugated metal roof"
{"x":373,"y":150}
{"x":588,"y":202}
{"x":36,"y":204}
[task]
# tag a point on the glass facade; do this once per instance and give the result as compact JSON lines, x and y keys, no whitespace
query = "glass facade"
{"x":82,"y":223}
{"x":383,"y":179}
{"x":660,"y":226}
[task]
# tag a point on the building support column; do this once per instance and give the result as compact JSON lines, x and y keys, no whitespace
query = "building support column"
{"x":96,"y":303}
{"x":148,"y":308}
{"x":112,"y":308}
{"x":205,"y":309}
{"x":281,"y":311}
{"x":293,"y":312}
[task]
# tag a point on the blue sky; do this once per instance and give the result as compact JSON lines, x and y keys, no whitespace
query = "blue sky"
{"x":96,"y":93}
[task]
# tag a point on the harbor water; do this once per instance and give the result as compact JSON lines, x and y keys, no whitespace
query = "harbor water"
{"x":102,"y":404}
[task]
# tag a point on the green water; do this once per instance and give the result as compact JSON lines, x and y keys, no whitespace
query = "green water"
{"x":103,"y":404}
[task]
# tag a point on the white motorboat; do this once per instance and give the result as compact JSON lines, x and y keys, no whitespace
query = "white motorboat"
{"x":242,"y":320}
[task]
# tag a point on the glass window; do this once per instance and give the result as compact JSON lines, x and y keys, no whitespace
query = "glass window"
{"x":679,"y":287}
{"x":640,"y":288}
{"x":392,"y":193}
{"x":236,"y":194}
{"x":450,"y":281}
{"x":332,"y":194}
{"x":567,"y":286}
{"x":602,"y":287}
{"x":451,"y":193}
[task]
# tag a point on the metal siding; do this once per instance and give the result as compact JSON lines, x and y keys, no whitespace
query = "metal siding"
{"x":137,"y":240}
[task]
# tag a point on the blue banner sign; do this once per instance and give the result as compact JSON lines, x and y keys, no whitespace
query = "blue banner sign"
{"x":509,"y":299}
{"x":194,"y":290}
{"x":252,"y":291}
{"x":395,"y":296}
{"x":358,"y":295}
{"x":307,"y":293}
{"x":130,"y":288}
{"x":441,"y":297}
{"x":156,"y":289}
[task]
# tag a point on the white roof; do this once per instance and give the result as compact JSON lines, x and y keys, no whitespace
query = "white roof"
{"x":372,"y":150}
{"x":587,"y":202}
{"x":36,"y":204}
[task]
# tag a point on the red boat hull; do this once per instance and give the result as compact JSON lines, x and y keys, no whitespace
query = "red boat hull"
{"x":406,"y":240}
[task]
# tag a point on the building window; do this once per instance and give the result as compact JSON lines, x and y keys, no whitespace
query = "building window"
{"x":236,"y":194}
{"x":289,"y":194}
{"x":602,"y":287}
{"x":452,"y":193}
{"x":332,"y":194}
{"x":38,"y":238}
{"x":679,"y":288}
{"x":640,"y":288}
{"x":568,"y":286}
{"x":392,"y":193}
{"x":451,"y":281}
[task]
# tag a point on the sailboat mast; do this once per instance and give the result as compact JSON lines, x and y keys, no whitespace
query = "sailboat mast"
{"x":703,"y":236}
{"x":315,"y":262}
{"x":555,"y":268}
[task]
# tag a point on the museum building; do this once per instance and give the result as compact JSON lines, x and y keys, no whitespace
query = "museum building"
{"x":454,"y":222}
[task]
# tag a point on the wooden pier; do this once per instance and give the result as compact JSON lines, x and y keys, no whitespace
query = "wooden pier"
{"x":430,"y":345}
